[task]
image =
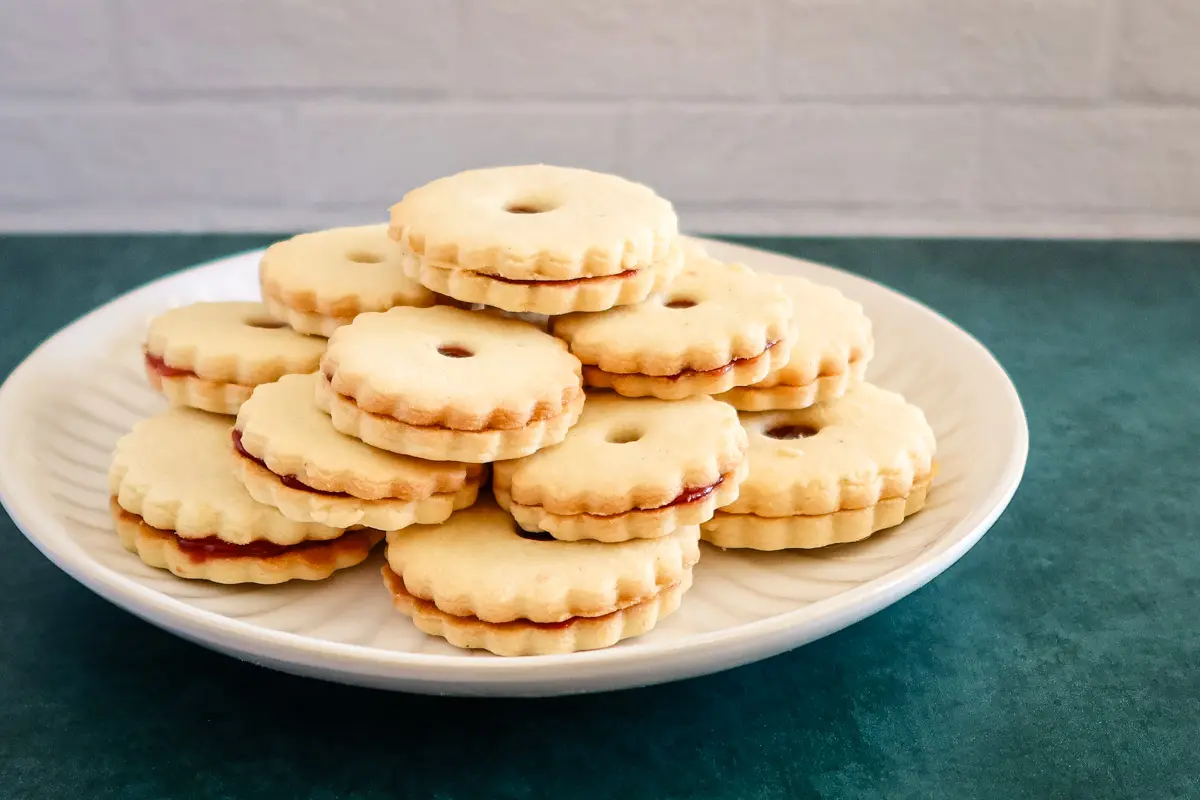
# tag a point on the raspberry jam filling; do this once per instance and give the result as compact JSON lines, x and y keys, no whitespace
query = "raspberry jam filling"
{"x":693,"y":493}
{"x":690,"y":494}
{"x":692,"y":373}
{"x":571,"y":282}
{"x":156,"y":364}
{"x":290,"y":481}
{"x":211,"y":547}
{"x":721,"y":370}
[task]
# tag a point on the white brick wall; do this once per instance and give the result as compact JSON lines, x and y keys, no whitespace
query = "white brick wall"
{"x":1006,"y":117}
{"x":963,"y":49}
{"x":187,"y":47}
{"x":613,"y":49}
{"x":814,"y":155}
{"x":367,"y":155}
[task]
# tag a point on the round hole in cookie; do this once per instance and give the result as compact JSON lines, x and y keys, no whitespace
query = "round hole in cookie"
{"x":263,"y":322}
{"x":534,"y":536}
{"x":364,"y":257}
{"x":624,"y":435}
{"x":455,"y":351}
{"x":679,"y":302}
{"x":786,"y":431}
{"x":529,"y":207}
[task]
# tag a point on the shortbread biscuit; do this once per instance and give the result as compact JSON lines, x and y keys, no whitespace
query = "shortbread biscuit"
{"x":535,"y":222}
{"x":547,"y":297}
{"x":444,"y":444}
{"x":449,"y":385}
{"x":317,"y":282}
{"x":831,"y":348}
{"x":211,"y":559}
{"x":292,"y":458}
{"x":177,"y":504}
{"x":630,"y":468}
{"x":524,"y":638}
{"x":538,"y":239}
{"x":211,"y":355}
{"x":481,"y":581}
{"x":830,"y":473}
{"x":752,"y":532}
{"x":716,"y":327}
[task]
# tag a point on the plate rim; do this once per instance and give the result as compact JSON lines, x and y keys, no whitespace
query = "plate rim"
{"x":234,"y":635}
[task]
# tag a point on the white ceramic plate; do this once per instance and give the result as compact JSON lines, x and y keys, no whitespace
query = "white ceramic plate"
{"x":64,"y":408}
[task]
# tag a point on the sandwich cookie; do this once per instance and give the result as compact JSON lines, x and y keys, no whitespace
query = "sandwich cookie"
{"x":831,"y":348}
{"x":629,"y":469}
{"x":317,"y":282}
{"x":211,"y":355}
{"x":291,"y":457}
{"x":716,"y":327}
{"x":538,"y":239}
{"x":445,"y":384}
{"x":481,"y":582}
{"x":831,"y":473}
{"x":176,"y":504}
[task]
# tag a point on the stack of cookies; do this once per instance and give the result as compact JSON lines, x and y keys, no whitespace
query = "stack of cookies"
{"x":661,"y":397}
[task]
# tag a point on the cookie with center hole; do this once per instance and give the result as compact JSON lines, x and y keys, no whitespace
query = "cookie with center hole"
{"x":446,"y":384}
{"x":716,"y":327}
{"x":831,"y":347}
{"x":291,"y":457}
{"x":828,"y":474}
{"x":318,"y":282}
{"x":176,"y":504}
{"x":210,"y":356}
{"x":630,"y":468}
{"x":481,"y":582}
{"x":539,"y":239}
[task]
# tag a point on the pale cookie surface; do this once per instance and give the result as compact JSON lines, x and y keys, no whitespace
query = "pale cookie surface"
{"x":547,"y":297}
{"x":868,"y":445}
{"x":444,"y":444}
{"x":749,"y":531}
{"x":716,"y":326}
{"x":480,"y":564}
{"x":282,"y":426}
{"x":831,"y":347}
{"x":449,"y":368}
{"x":310,"y":561}
{"x":535,"y":222}
{"x":175,"y":471}
{"x":524,"y":638}
{"x":210,"y":355}
{"x":654,"y":458}
{"x":317,"y":282}
{"x":712,"y":314}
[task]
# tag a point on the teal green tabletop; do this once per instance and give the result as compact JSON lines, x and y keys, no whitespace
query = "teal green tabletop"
{"x":1059,"y":658}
